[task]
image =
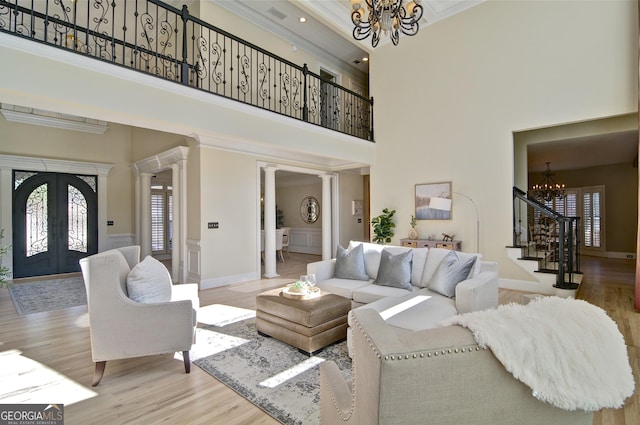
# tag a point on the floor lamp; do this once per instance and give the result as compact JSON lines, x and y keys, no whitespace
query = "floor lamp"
{"x":443,"y":203}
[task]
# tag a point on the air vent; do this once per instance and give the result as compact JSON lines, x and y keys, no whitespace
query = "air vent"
{"x":277,"y":13}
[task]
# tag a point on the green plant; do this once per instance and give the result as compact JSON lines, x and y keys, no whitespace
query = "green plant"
{"x":4,"y":271}
{"x":413,"y":221}
{"x":383,"y":226}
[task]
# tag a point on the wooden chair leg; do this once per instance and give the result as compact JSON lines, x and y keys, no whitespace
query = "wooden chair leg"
{"x":187,"y":362}
{"x":98,"y":373}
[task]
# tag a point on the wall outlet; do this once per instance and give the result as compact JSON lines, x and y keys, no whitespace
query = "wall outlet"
{"x":109,"y":222}
{"x":213,"y":225}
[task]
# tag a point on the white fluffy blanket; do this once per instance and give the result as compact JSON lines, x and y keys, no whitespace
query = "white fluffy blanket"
{"x":569,"y":352}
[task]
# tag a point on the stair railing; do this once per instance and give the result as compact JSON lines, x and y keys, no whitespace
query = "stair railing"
{"x":562,"y":237}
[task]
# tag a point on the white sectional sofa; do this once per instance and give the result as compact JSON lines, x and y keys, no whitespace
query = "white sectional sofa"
{"x":412,"y":294}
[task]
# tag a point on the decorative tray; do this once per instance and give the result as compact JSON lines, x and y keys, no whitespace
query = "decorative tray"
{"x":307,"y":295}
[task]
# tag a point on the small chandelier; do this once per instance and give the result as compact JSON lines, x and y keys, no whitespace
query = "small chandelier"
{"x":388,"y":16}
{"x":548,"y":189}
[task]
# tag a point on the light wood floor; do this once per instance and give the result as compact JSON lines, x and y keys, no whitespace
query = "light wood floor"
{"x":155,"y":389}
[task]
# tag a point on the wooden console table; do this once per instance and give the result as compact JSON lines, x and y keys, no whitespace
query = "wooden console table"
{"x":432,"y":243}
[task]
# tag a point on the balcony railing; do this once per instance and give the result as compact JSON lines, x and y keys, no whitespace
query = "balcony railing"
{"x":158,"y":39}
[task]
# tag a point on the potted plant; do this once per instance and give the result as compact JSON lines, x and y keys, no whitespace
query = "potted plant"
{"x":383,"y":226}
{"x":413,"y":233}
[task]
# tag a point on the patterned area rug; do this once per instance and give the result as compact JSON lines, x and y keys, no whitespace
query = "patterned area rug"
{"x":47,"y":295}
{"x":270,"y":374}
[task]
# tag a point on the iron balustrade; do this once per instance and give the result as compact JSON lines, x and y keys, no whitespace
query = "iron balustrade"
{"x":158,"y":39}
{"x":548,"y":236}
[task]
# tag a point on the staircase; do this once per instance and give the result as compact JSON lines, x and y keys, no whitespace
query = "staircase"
{"x":546,"y":245}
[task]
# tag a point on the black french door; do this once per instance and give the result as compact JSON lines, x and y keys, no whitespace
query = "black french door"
{"x":55,"y":222}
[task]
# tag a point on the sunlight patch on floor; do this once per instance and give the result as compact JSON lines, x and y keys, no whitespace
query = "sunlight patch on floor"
{"x":292,"y":372}
{"x":223,"y":315}
{"x":209,"y":342}
{"x":25,"y":381}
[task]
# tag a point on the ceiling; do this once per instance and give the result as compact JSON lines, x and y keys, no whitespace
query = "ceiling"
{"x":328,"y":24}
{"x":328,"y":33}
{"x":584,"y":152}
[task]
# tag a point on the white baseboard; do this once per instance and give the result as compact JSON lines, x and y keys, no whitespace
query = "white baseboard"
{"x":227,"y":280}
{"x":526,"y":286}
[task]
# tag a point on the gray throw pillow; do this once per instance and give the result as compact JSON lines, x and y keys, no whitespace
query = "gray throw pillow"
{"x":451,"y":271}
{"x":350,"y":264}
{"x":395,"y":269}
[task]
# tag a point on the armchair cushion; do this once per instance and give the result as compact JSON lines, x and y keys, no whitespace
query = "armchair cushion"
{"x":149,"y":282}
{"x":451,"y":271}
{"x":350,"y":264}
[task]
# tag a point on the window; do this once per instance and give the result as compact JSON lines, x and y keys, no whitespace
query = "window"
{"x":592,"y":208}
{"x":161,"y":218}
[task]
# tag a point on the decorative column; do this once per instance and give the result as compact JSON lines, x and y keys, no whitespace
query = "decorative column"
{"x":326,"y":216}
{"x":137,"y":193}
{"x":270,"y":221}
{"x":145,"y":215}
{"x":182,"y":224}
{"x":176,"y":238}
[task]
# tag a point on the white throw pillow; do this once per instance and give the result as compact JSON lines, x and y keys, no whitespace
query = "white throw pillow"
{"x":149,"y":282}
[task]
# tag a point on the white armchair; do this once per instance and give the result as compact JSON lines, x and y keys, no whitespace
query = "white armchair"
{"x":122,"y":328}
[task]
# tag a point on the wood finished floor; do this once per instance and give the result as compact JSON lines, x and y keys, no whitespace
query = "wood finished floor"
{"x":155,"y":389}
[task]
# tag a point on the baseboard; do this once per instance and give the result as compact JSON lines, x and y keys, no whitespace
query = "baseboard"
{"x":526,"y":286}
{"x":227,"y":280}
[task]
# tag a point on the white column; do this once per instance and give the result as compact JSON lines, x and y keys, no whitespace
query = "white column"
{"x":137,"y":195}
{"x":270,"y":222}
{"x":326,"y":216}
{"x":183,"y":220}
{"x":176,"y":245}
{"x":145,"y":215}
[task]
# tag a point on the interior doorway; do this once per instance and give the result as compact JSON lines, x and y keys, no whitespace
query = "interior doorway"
{"x":329,"y":101}
{"x":55,"y":222}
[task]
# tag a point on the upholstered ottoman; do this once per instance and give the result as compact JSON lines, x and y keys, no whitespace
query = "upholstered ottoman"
{"x":309,"y":325}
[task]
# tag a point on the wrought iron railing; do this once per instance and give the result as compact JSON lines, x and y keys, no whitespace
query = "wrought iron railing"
{"x":547,"y":236}
{"x":158,"y":39}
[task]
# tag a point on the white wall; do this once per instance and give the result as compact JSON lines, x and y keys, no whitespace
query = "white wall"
{"x":462,"y":86}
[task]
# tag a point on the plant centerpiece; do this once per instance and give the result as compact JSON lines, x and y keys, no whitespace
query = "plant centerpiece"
{"x":383,"y":226}
{"x":413,"y":233}
{"x":4,"y":271}
{"x":298,"y":287}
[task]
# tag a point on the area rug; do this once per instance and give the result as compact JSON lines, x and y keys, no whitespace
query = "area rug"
{"x":270,"y":374}
{"x":48,"y":294}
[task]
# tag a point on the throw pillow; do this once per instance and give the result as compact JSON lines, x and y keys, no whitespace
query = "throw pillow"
{"x":149,"y":282}
{"x":395,"y":269}
{"x":350,"y":264}
{"x":451,"y":271}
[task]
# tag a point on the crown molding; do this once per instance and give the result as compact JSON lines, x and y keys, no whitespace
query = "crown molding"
{"x":52,"y":119}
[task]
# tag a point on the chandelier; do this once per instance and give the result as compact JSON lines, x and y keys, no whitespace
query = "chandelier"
{"x":548,"y":189}
{"x":385,"y":16}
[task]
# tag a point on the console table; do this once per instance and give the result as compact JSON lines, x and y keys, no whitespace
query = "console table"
{"x":432,"y":243}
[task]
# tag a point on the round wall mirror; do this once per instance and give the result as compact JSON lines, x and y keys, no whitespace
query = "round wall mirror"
{"x":309,"y":209}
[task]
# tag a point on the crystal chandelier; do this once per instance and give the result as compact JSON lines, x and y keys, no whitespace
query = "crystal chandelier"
{"x":548,"y":189}
{"x":385,"y":16}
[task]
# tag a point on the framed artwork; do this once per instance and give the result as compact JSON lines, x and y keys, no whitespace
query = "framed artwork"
{"x":433,"y":201}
